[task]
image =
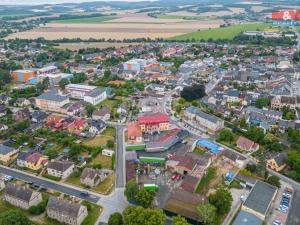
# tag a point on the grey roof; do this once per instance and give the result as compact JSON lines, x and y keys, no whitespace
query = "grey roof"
{"x":260,"y":197}
{"x":63,"y":207}
{"x":60,"y":165}
{"x":245,"y":218}
{"x":19,"y":192}
{"x":5,"y":149}
{"x":39,"y":115}
{"x":96,"y":92}
{"x":98,"y":124}
{"x":204,"y":115}
{"x":52,"y":96}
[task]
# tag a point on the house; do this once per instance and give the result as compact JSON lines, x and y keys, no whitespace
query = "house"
{"x":277,"y":162}
{"x":22,"y":114}
{"x":246,"y":144}
{"x":102,"y":114}
{"x":203,"y":120}
{"x":96,"y":96}
{"x":7,"y":153}
{"x":65,"y":211}
{"x":97,"y":127}
{"x":4,"y":99}
{"x":232,"y":96}
{"x":155,"y":122}
{"x":181,"y":164}
{"x":75,"y":125}
{"x":279,"y":102}
{"x":54,"y":121}
{"x":92,"y":177}
{"x":122,"y":109}
{"x":21,"y":196}
{"x":21,"y":102}
{"x":3,"y":110}
{"x":134,"y":133}
{"x":3,"y":127}
{"x":61,"y":169}
{"x":36,"y":161}
{"x":190,"y":183}
{"x":39,"y":116}
{"x":52,"y":101}
{"x":260,"y":199}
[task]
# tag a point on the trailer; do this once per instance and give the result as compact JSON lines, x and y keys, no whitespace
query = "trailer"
{"x":152,"y":187}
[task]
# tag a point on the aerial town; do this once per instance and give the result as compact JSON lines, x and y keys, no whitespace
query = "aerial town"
{"x":155,"y":132}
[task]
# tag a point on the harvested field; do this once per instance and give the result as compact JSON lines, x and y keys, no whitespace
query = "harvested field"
{"x":217,"y":13}
{"x":102,"y":45}
{"x":128,"y":27}
{"x":258,"y":8}
{"x":237,"y":10}
{"x":250,"y":3}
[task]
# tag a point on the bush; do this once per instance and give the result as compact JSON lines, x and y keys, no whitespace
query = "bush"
{"x":51,"y":177}
{"x":115,"y":219}
{"x":40,"y":208}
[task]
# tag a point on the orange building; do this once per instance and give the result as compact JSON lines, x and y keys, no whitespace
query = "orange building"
{"x":23,"y":75}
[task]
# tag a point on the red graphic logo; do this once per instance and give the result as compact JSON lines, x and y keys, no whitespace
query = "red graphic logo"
{"x":286,"y":15}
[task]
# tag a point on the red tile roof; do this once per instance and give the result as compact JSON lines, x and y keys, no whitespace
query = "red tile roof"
{"x":134,"y":130}
{"x":189,"y":183}
{"x":154,"y":118}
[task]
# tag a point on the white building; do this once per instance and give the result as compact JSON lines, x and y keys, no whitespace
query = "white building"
{"x":61,"y":169}
{"x":78,"y":90}
{"x":96,"y":96}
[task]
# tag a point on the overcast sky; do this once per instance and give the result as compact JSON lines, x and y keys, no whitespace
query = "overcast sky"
{"x":35,"y":2}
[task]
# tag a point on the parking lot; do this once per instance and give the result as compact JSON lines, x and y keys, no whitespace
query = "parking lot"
{"x":281,"y":206}
{"x":294,"y":214}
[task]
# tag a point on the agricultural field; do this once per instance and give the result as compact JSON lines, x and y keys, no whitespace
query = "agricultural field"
{"x":221,"y":33}
{"x":124,"y":26}
{"x":91,"y":20}
{"x":102,"y":45}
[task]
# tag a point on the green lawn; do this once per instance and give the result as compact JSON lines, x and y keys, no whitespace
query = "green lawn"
{"x":110,"y":131}
{"x":104,"y":160}
{"x":204,"y":183}
{"x":221,"y":33}
{"x":98,"y":141}
{"x":94,"y":212}
{"x":91,"y":20}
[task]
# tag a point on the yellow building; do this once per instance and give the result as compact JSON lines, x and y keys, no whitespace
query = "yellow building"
{"x":7,"y":153}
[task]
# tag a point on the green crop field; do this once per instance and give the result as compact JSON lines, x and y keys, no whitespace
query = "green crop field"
{"x":221,"y":33}
{"x":91,"y":20}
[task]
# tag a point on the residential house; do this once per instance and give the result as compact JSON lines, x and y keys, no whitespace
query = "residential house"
{"x":22,"y":114}
{"x":65,"y":211}
{"x":76,"y":125}
{"x":54,"y":121}
{"x":181,"y":164}
{"x":246,"y":144}
{"x":279,"y":102}
{"x":102,"y":114}
{"x":155,"y":122}
{"x":3,"y":127}
{"x":21,"y":196}
{"x":277,"y":162}
{"x":21,"y":102}
{"x":97,"y":127}
{"x":3,"y":110}
{"x":22,"y":156}
{"x":4,"y":99}
{"x":36,"y":161}
{"x":52,"y":101}
{"x":134,"y":133}
{"x":61,"y":169}
{"x":39,"y":116}
{"x":92,"y":177}
{"x":203,"y":120}
{"x":232,"y":96}
{"x":7,"y":153}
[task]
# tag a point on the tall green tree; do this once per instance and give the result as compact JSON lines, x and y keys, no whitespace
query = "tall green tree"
{"x":207,"y":214}
{"x":179,"y":220}
{"x":115,"y":219}
{"x":131,"y":190}
{"x":138,"y":215}
{"x":226,"y":135}
{"x":222,"y":200}
{"x":89,"y":108}
{"x":145,"y":197}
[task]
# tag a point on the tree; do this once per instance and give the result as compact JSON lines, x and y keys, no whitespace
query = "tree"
{"x":107,"y":74}
{"x":179,"y":220}
{"x":222,"y":200}
{"x":262,"y":102}
{"x":255,"y":134}
{"x":14,"y":217}
{"x":89,"y":108}
{"x":110,"y":143}
{"x":193,"y":92}
{"x":145,"y":197}
{"x":138,"y":215}
{"x":63,"y":82}
{"x":131,"y":190}
{"x":274,"y":180}
{"x":226,"y":135}
{"x":251,"y":168}
{"x":243,"y":122}
{"x":207,"y":214}
{"x":115,"y":219}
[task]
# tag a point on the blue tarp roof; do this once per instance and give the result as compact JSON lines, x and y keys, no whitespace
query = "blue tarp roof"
{"x":214,"y":148}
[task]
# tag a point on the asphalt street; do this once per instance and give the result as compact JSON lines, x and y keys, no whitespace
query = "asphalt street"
{"x":48,"y":184}
{"x":120,"y":160}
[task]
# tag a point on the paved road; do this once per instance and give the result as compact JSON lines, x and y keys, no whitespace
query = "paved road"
{"x":48,"y":184}
{"x":120,"y":157}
